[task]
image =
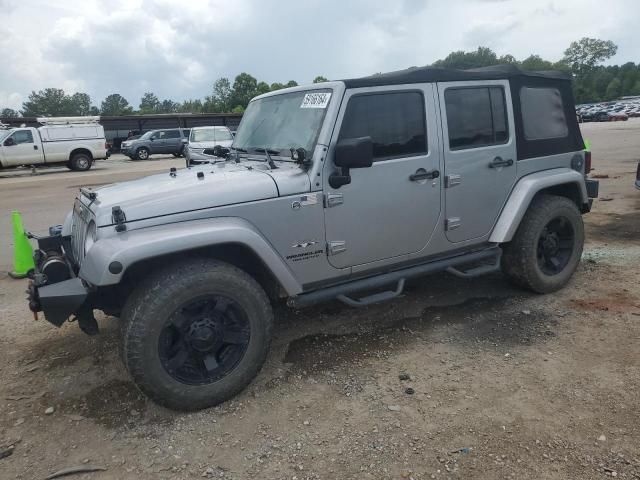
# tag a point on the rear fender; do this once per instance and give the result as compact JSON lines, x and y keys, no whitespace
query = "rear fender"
{"x":100,"y":266}
{"x":523,"y":193}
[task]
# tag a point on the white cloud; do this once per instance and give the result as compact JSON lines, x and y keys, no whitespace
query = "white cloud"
{"x":177,"y":49}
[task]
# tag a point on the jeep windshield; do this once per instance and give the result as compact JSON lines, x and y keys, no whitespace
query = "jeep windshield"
{"x":281,"y":122}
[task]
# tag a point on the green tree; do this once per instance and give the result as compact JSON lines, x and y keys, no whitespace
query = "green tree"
{"x":79,"y":104}
{"x":535,"y":62}
{"x":291,"y":83}
{"x":320,"y":79}
{"x":262,"y":87}
{"x":482,"y":57}
{"x":168,"y":106}
{"x":276,"y":86}
{"x":191,"y":106}
{"x":149,"y":103}
{"x":49,"y":102}
{"x":115,"y":104}
{"x":586,"y":53}
{"x":94,"y":110}
{"x":614,"y":89}
{"x":245,"y":87}
{"x":9,"y":113}
{"x":222,"y":92}
{"x":238,"y":109}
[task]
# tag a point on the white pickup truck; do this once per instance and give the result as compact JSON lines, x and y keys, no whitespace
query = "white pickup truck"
{"x":74,"y":141}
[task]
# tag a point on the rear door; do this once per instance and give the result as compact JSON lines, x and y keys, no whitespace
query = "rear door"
{"x":25,"y":149}
{"x":480,"y":155}
{"x":173,"y":141}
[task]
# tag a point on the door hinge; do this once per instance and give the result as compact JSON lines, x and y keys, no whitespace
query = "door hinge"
{"x":452,"y":223}
{"x":452,"y":180}
{"x":333,"y":199}
{"x":336,"y":246}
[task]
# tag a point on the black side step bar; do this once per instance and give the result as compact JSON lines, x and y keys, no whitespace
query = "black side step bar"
{"x":342,"y":291}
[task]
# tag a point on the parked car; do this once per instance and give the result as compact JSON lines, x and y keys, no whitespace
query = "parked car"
{"x":168,"y":140}
{"x":201,"y":142}
{"x":331,"y":190}
{"x":595,"y":116}
{"x":618,"y":116}
{"x":76,"y":142}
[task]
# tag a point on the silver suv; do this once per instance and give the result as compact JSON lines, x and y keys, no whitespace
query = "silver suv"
{"x":328,"y":191}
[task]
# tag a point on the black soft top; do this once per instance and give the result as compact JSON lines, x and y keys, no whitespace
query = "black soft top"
{"x":437,"y":74}
{"x":518,"y":80}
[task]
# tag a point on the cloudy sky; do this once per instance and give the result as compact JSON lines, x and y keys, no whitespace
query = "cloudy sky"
{"x":178,"y":48}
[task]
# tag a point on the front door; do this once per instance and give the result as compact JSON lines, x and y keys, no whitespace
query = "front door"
{"x":23,"y":151}
{"x":480,"y":155}
{"x":388,"y":210}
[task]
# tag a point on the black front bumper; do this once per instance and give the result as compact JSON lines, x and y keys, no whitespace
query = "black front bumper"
{"x":57,"y":298}
{"x":58,"y":301}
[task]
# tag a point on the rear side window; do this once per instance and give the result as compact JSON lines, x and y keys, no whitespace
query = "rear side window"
{"x":172,"y":134}
{"x":476,"y":117}
{"x":543,"y":113}
{"x":394,"y":121}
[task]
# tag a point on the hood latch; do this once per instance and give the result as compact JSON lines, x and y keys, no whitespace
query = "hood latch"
{"x":119,"y":218}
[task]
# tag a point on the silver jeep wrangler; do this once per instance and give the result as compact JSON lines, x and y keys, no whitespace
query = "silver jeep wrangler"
{"x":340,"y":190}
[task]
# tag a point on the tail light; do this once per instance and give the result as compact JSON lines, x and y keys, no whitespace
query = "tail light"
{"x":587,"y":162}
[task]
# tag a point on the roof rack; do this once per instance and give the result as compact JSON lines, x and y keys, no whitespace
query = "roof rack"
{"x":67,"y":120}
{"x":4,"y":126}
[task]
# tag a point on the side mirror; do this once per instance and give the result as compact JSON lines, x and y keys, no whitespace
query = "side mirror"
{"x":351,"y":153}
{"x":220,"y":151}
{"x":9,"y":142}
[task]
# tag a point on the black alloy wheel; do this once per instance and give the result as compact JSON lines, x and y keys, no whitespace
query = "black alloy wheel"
{"x":204,"y":340}
{"x":555,"y":246}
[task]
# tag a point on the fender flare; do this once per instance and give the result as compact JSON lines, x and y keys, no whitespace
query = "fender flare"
{"x":133,"y":246}
{"x":523,"y":193}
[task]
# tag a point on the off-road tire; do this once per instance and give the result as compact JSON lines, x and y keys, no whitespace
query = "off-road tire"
{"x":80,"y":162}
{"x":142,"y":154}
{"x":151,"y":304}
{"x":520,"y":256}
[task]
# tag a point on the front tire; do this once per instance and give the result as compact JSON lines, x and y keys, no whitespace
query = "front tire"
{"x":196,"y":333}
{"x":547,"y":247}
{"x":142,"y":153}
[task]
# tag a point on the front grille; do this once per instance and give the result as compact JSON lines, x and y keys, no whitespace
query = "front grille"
{"x":79,"y":223}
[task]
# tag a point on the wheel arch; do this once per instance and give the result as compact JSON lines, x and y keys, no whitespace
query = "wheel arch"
{"x":563,"y":182}
{"x":228,"y":239}
{"x":78,"y":150}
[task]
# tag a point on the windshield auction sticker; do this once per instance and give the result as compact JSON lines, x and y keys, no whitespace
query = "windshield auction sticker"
{"x":316,"y":100}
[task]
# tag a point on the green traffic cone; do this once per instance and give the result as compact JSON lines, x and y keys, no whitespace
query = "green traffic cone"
{"x":22,"y":250}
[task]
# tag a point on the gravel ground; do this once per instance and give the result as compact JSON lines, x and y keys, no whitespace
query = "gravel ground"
{"x":456,"y":379}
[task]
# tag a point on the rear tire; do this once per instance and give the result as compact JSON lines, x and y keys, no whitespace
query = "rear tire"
{"x":196,"y":333}
{"x":80,"y":162}
{"x":547,"y":247}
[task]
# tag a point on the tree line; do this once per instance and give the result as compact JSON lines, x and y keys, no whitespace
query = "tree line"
{"x":225,"y":97}
{"x":593,"y":82}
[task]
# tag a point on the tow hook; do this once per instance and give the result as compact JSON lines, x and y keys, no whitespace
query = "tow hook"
{"x":86,"y":321}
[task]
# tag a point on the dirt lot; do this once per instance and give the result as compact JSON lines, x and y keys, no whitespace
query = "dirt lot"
{"x":497,"y":383}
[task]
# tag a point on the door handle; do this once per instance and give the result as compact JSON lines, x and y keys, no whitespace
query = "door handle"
{"x":35,"y":147}
{"x":499,"y":162}
{"x":422,"y":174}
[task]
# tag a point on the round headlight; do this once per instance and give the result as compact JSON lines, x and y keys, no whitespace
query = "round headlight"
{"x":90,"y":236}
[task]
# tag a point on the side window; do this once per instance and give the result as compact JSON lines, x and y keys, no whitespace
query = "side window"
{"x":476,"y":117}
{"x":543,"y":113}
{"x":394,"y":121}
{"x":22,"y":136}
{"x":172,"y":134}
